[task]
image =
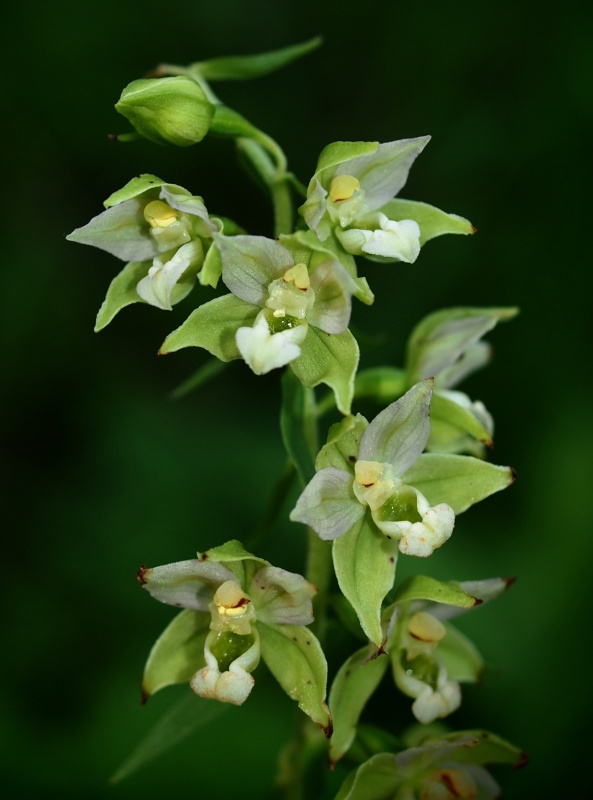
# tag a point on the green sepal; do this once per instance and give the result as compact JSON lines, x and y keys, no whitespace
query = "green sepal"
{"x":376,"y":779}
{"x":355,"y":682}
{"x":445,"y":411}
{"x":460,"y":656}
{"x":211,"y":270}
{"x":364,"y":563}
{"x":331,"y":359}
{"x":143,"y":183}
{"x":178,"y":652}
{"x":122,"y":292}
{"x":343,"y":440}
{"x":213,"y":326}
{"x":492,"y":749}
{"x":295,"y":658}
{"x":432,"y":221}
{"x":381,"y":384}
{"x":336,"y":153}
{"x":422,"y":587}
{"x":458,"y":481}
{"x":297,"y":424}
{"x":240,"y":68}
{"x":233,"y":556}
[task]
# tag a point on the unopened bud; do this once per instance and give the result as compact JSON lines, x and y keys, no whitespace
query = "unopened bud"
{"x":167,"y":110}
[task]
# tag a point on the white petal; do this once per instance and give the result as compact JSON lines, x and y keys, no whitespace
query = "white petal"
{"x":264,"y":351}
{"x":157,"y":287}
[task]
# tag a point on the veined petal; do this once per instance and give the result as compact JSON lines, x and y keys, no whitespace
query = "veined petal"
{"x":185,"y":584}
{"x":383,"y":173}
{"x":282,"y":597}
{"x":399,"y":433}
{"x":328,"y":504}
{"x":157,"y":287}
{"x":250,"y":264}
{"x":181,"y":200}
{"x":333,"y":289}
{"x":263,"y":350}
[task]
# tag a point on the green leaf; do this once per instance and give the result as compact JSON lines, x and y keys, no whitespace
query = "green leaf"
{"x":177,"y":653}
{"x":460,"y":656}
{"x":343,"y":441}
{"x":213,"y":326}
{"x":459,"y":481}
{"x":446,"y":411}
{"x":357,"y":679}
{"x":201,"y":376}
{"x":298,"y":425}
{"x":183,"y":719}
{"x":364,"y":562}
{"x":432,"y":221}
{"x":122,"y":292}
{"x":238,"y":68}
{"x":295,"y":658}
{"x":331,"y":359}
{"x":421,"y":587}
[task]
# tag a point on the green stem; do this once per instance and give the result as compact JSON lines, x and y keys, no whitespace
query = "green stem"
{"x":318,"y":572}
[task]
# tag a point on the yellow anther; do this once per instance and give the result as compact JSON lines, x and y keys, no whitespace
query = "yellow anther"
{"x":343,"y":187}
{"x":159,"y":214}
{"x":426,"y":628}
{"x":230,"y":600}
{"x":299,"y":275}
{"x":367,"y":472}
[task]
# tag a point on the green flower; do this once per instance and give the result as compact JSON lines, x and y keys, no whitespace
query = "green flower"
{"x":352,"y":196}
{"x":238,"y":609}
{"x":162,"y":231}
{"x":446,"y":767}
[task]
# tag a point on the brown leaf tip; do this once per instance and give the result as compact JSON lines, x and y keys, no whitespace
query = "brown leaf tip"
{"x":144,"y":695}
{"x":514,"y":475}
{"x":523,"y":760}
{"x":509,"y":582}
{"x":477,"y":602}
{"x":141,"y":575}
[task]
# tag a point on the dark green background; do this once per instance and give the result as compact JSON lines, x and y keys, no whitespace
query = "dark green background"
{"x":104,"y":472}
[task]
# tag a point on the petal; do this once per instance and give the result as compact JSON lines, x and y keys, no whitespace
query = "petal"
{"x":399,"y":433}
{"x":250,"y":264}
{"x":282,"y":597}
{"x":181,"y":200}
{"x":392,"y":240}
{"x":328,"y":504}
{"x":158,"y":286}
{"x":186,"y":584}
{"x":333,"y":289}
{"x":263,"y":351}
{"x":383,"y":173}
{"x":231,"y":686}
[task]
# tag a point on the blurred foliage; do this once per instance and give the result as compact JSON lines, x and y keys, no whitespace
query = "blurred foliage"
{"x":103,"y":471}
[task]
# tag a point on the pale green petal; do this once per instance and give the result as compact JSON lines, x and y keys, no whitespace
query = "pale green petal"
{"x":250,"y":264}
{"x":328,"y":505}
{"x":185,"y":584}
{"x":399,"y":433}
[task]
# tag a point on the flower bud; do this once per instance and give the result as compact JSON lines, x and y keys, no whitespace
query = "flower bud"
{"x":167,"y":110}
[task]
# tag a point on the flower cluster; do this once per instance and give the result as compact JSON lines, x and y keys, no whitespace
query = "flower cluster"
{"x":376,"y":489}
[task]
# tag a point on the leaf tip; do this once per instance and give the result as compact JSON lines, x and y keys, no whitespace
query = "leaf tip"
{"x":140,"y":575}
{"x":509,"y":581}
{"x":144,"y":695}
{"x":522,"y":761}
